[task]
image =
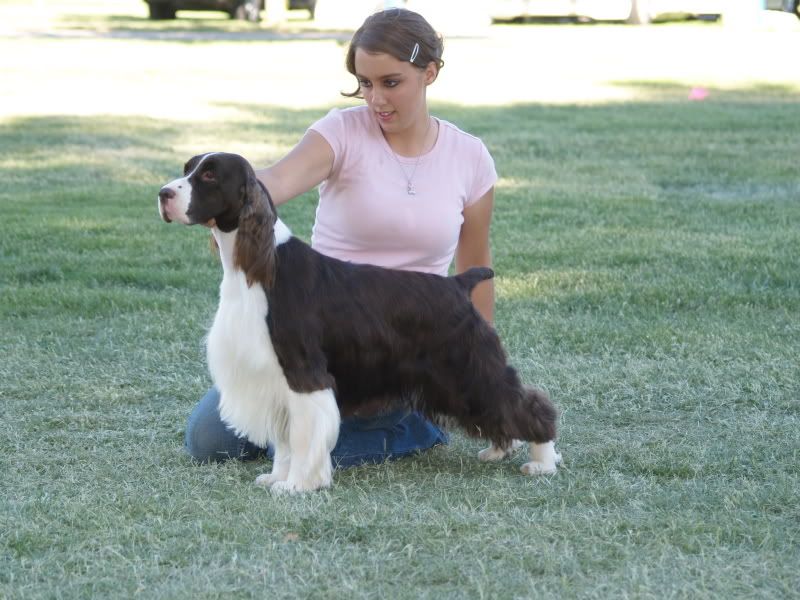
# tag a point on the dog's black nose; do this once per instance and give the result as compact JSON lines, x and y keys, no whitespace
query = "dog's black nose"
{"x":165,"y":194}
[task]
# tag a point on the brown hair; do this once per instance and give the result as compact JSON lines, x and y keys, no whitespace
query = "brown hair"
{"x":396,"y":31}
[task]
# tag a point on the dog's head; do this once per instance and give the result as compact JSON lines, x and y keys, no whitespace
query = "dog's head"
{"x":221,"y":190}
{"x":215,"y":190}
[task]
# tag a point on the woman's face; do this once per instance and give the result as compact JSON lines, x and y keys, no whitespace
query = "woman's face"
{"x":393,"y":89}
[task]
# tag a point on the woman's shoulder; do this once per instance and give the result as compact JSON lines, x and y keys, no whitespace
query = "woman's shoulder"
{"x":456,"y":138}
{"x":348,"y":116}
{"x":350,"y":123}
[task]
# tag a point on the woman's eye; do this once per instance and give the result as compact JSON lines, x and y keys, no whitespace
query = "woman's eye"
{"x":390,"y":83}
{"x":363,"y":83}
{"x":207,"y":176}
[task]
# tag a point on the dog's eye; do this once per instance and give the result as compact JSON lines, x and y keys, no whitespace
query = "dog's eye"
{"x":208,"y":176}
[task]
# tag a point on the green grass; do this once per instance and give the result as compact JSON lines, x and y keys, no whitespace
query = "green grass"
{"x":647,"y":264}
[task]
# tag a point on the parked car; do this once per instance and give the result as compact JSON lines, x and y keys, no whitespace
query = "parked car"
{"x":248,"y":10}
{"x":632,"y":11}
{"x":792,"y":6}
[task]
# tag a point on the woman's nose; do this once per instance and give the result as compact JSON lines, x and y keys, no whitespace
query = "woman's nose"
{"x":375,"y":98}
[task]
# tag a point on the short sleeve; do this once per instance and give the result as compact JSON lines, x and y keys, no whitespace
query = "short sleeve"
{"x":485,"y":176}
{"x":332,"y":128}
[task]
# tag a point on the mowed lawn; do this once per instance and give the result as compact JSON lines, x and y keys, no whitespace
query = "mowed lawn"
{"x":646,"y":250}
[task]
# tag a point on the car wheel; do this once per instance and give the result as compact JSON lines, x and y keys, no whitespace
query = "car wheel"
{"x":161,"y":10}
{"x":248,"y":10}
{"x":640,"y":12}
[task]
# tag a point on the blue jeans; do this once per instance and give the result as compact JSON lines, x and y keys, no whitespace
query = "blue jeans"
{"x":361,"y":440}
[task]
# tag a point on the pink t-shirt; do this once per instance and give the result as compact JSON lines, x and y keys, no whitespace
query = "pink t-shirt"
{"x":365,"y":214}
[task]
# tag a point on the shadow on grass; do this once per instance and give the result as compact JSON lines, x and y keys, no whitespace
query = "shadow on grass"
{"x":678,"y":205}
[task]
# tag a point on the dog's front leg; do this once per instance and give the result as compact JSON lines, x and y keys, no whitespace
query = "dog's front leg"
{"x":280,"y":466}
{"x":313,"y":430}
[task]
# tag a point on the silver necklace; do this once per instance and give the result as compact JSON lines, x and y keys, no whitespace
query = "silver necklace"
{"x":410,"y":178}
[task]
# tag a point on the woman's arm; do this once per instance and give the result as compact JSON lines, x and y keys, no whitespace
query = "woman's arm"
{"x":305,"y":166}
{"x":473,"y":251}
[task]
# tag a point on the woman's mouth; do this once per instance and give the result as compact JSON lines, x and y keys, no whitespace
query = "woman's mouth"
{"x":385,"y":116}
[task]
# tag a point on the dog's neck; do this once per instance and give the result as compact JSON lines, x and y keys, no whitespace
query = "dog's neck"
{"x":226,"y":242}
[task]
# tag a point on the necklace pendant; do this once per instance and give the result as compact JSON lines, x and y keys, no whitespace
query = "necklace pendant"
{"x":411,"y":191}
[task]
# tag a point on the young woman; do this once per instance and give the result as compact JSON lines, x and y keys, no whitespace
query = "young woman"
{"x":398,"y":188}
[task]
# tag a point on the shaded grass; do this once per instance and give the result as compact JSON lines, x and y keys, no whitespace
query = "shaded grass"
{"x":660,"y":318}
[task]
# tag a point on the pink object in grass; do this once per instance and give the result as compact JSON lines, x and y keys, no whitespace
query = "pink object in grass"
{"x":698,"y":93}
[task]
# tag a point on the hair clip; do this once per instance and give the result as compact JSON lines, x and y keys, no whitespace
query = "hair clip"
{"x":414,"y":53}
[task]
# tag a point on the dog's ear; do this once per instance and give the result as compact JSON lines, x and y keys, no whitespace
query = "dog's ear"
{"x":255,"y":238}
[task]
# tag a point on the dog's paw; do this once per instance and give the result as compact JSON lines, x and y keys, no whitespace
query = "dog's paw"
{"x":534,"y":468}
{"x":491,"y":454}
{"x":294,"y":487}
{"x":544,"y":459}
{"x":285,"y":487}
{"x":494,"y":453}
{"x":267,"y":480}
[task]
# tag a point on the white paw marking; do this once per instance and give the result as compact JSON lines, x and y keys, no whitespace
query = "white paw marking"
{"x":284,"y":487}
{"x":537,"y":468}
{"x":494,"y":453}
{"x":544,"y":459}
{"x":267,"y":480}
{"x":491,"y":454}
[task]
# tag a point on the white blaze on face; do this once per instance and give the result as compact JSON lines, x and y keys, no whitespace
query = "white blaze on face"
{"x":175,"y":206}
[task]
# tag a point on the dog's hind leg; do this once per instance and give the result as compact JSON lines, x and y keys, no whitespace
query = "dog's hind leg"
{"x":533,"y":419}
{"x":541,"y":433}
{"x":313,"y":430}
{"x":495,"y":452}
{"x":544,"y":459}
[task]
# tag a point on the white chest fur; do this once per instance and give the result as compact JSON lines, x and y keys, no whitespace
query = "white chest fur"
{"x":255,"y":398}
{"x":243,"y":364}
{"x":242,"y":361}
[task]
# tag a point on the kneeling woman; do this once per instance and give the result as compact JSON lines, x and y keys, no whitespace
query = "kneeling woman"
{"x":398,"y":188}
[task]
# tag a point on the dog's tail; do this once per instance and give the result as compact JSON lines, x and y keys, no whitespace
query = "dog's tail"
{"x":472,"y":277}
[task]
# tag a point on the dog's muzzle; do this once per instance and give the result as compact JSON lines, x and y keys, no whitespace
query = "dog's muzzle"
{"x":164,"y":196}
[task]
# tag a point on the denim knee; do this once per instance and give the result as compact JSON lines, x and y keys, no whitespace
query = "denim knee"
{"x":373,"y":440}
{"x":208,"y":439}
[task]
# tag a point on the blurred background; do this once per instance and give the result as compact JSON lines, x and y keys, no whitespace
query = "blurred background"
{"x":477,"y":13}
{"x":170,"y":59}
{"x":451,"y":14}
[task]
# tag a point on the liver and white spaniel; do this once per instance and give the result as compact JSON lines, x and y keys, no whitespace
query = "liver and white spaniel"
{"x":299,"y":336}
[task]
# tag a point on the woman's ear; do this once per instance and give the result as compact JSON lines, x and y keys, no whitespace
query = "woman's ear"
{"x":431,"y":73}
